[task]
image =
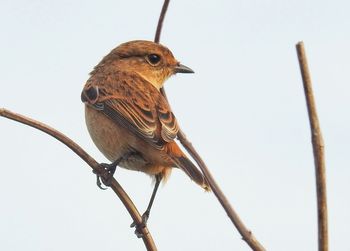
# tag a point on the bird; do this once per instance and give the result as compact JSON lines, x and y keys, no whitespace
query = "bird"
{"x":128,"y":118}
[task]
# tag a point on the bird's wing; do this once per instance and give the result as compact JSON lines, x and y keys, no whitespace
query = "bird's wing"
{"x":134,"y":103}
{"x":169,"y":126}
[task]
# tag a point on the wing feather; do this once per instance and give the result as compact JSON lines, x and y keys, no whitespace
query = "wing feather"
{"x":134,"y":103}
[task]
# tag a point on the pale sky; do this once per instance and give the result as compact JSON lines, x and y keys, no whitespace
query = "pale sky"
{"x":244,"y":111}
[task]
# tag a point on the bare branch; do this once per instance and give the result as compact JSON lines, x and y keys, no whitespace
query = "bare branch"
{"x":116,"y":187}
{"x":247,"y":235}
{"x":161,"y":20}
{"x":318,"y":150}
{"x":242,"y":229}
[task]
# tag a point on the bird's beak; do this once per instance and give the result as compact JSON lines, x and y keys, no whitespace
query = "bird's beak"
{"x":180,"y":68}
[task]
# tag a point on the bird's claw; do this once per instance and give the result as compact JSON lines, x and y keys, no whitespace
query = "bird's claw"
{"x":105,"y":177}
{"x":99,"y":183}
{"x":140,"y":226}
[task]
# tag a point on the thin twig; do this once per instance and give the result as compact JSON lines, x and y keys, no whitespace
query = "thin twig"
{"x":119,"y":191}
{"x":161,"y":20}
{"x":246,"y":234}
{"x":318,"y":150}
{"x":242,"y":229}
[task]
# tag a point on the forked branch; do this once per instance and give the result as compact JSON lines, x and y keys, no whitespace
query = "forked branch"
{"x":119,"y":191}
{"x":318,"y":150}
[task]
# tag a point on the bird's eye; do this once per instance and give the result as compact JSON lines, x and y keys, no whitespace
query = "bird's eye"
{"x":153,"y":59}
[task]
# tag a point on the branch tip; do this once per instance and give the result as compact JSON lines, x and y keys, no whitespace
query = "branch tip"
{"x":318,"y":149}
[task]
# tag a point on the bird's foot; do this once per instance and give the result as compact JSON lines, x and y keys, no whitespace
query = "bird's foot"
{"x":106,"y":176}
{"x":140,"y":226}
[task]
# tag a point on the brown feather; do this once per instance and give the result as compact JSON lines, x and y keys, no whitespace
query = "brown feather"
{"x":134,"y":103}
{"x":126,"y":113}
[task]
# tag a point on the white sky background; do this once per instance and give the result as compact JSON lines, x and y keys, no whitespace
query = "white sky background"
{"x":244,"y":110}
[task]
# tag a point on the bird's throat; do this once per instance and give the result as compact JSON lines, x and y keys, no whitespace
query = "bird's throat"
{"x":156,"y":81}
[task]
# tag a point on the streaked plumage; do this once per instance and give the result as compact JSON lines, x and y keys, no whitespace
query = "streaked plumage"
{"x":126,"y":115}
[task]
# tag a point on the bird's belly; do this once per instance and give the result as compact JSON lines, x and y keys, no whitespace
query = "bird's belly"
{"x":115,"y":141}
{"x":112,"y":140}
{"x":134,"y":161}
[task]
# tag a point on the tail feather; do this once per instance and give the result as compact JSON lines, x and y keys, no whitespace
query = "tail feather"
{"x":192,"y":171}
{"x":187,"y":166}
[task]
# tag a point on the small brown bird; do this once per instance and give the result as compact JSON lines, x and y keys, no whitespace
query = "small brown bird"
{"x":128,"y":118}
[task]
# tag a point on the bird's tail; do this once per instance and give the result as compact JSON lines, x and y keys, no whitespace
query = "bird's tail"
{"x":182,"y":162}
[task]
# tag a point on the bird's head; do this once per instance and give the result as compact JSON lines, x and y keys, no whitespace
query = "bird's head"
{"x":152,"y":61}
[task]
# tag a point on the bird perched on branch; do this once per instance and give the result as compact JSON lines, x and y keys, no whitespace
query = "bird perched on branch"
{"x":128,"y":118}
